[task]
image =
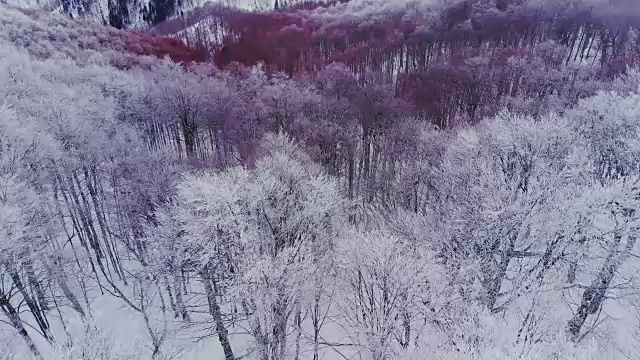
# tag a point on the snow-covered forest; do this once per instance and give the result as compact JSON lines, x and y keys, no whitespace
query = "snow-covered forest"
{"x":358,"y":180}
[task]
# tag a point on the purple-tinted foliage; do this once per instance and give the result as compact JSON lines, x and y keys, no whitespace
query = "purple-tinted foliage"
{"x":452,"y":61}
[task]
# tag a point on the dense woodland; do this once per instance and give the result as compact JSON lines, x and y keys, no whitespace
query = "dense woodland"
{"x":355,"y":179}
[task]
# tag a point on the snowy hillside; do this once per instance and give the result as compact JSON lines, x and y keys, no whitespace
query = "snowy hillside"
{"x":136,"y":14}
{"x":44,"y":35}
{"x":359,"y":180}
{"x":117,"y":13}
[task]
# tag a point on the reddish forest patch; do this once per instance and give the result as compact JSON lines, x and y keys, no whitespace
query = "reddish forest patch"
{"x":449,"y":61}
{"x":140,"y":43}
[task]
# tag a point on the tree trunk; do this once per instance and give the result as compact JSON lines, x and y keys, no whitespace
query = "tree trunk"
{"x":37,"y":313}
{"x":279,"y":331}
{"x":171,"y":298}
{"x":15,"y":321}
{"x":495,"y":281}
{"x":317,"y":323}
{"x":214,"y":310}
{"x":180,"y":307}
{"x":59,"y":276}
{"x":189,"y":134}
{"x":75,"y":304}
{"x":350,"y":175}
{"x":102,"y":221}
{"x":406,"y":325}
{"x":298,"y":320}
{"x":594,"y":296}
{"x":35,"y":286}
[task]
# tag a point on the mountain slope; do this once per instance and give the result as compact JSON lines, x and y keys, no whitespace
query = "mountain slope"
{"x":45,"y":35}
{"x":116,"y":13}
{"x":135,"y":14}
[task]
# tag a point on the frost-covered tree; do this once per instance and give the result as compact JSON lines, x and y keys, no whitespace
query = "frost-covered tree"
{"x":144,"y":191}
{"x":608,"y":239}
{"x":497,"y":181}
{"x":260,"y":234}
{"x":27,"y":223}
{"x":386,"y":285}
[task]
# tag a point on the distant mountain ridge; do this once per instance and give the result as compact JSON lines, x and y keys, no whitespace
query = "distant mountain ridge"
{"x":137,"y":14}
{"x":120,"y":14}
